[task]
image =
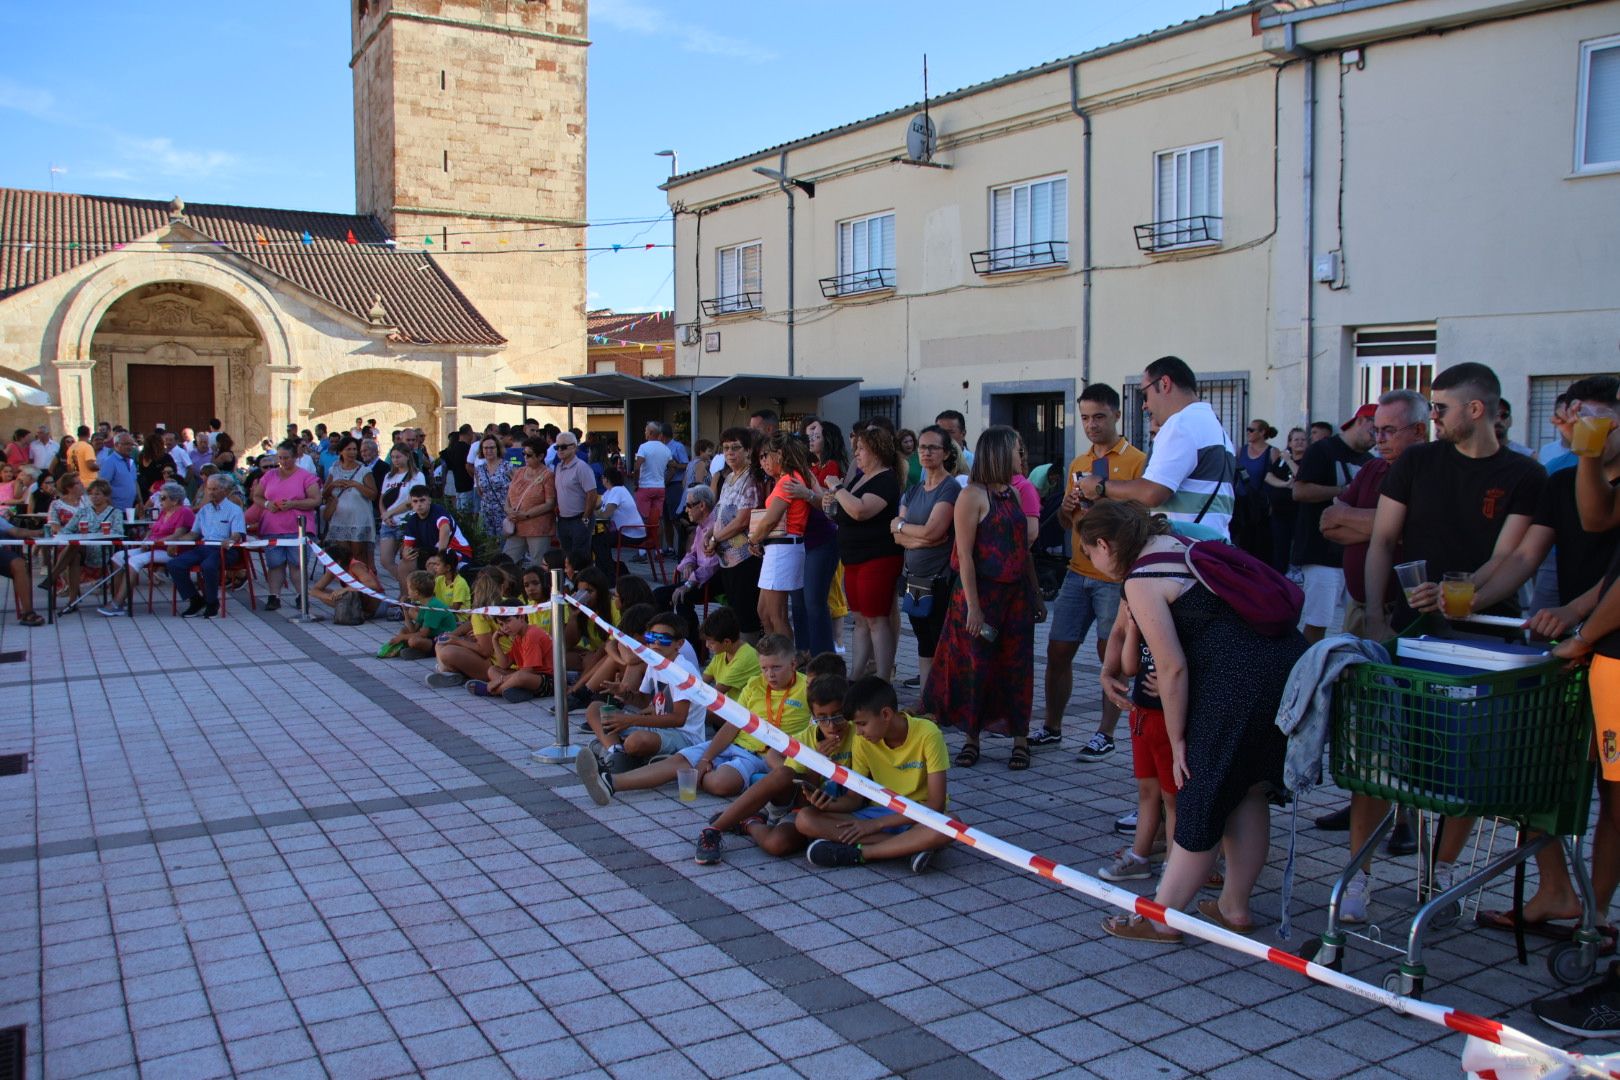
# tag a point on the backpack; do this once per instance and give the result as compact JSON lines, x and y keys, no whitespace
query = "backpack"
{"x":1260,"y":596}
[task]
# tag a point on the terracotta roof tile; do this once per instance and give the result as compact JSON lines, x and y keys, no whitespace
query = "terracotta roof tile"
{"x":45,"y":233}
{"x":652,"y":327}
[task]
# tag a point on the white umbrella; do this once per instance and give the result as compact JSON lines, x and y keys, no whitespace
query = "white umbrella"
{"x":13,"y":392}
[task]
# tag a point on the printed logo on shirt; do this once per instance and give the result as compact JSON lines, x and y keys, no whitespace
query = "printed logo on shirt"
{"x":1493,"y":498}
{"x":909,"y":765}
{"x":1610,"y":750}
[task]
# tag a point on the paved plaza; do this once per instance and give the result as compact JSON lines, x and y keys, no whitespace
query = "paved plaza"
{"x":249,"y":847}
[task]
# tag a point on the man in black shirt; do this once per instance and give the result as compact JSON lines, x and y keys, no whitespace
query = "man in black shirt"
{"x":1329,"y":466}
{"x":1460,"y":504}
{"x":458,"y":486}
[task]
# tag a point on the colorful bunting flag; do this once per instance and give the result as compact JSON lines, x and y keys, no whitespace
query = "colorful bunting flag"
{"x":350,"y":238}
{"x":307,"y":239}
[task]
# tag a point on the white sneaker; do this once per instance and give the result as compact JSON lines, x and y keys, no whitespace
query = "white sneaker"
{"x":1353,"y":905}
{"x":1439,"y":881}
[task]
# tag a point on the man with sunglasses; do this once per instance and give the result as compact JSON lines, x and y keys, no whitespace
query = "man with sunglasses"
{"x":576,"y":493}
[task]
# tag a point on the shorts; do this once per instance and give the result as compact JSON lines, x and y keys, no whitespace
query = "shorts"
{"x":782,"y":569}
{"x":386,"y":531}
{"x":1324,"y":595}
{"x":746,"y":762}
{"x":869,"y":586}
{"x":1150,"y":749}
{"x":870,"y":812}
{"x":279,"y":554}
{"x":1604,"y":681}
{"x":1355,"y":616}
{"x":1080,"y":602}
{"x":670,"y":740}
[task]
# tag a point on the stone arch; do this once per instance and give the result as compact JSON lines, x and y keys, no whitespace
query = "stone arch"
{"x":396,"y":399}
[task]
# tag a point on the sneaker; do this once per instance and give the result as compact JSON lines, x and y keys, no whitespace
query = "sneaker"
{"x":1045,"y":739}
{"x":598,"y":784}
{"x":1353,"y":906}
{"x":709,"y":843}
{"x":620,"y":762}
{"x":477,"y":687}
{"x":913,"y":683}
{"x":1126,"y":824}
{"x":1402,"y":841}
{"x":211,"y":611}
{"x":194,"y":608}
{"x":922,"y":861}
{"x":110,"y":611}
{"x":829,"y":854}
{"x":1590,"y":1013}
{"x":1338,"y":821}
{"x":1126,"y":867}
{"x":413,"y":654}
{"x":1097,"y":747}
{"x":273,"y":604}
{"x":445,"y":680}
{"x":238,"y":585}
{"x":517,"y":695}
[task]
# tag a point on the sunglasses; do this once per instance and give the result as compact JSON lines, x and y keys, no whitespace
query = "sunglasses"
{"x":653,"y":637}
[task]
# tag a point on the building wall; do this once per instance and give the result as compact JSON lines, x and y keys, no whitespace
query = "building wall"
{"x":470,"y":129}
{"x":1458,"y":211}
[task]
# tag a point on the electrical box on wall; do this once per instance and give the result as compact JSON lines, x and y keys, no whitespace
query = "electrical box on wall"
{"x":1327,"y":267}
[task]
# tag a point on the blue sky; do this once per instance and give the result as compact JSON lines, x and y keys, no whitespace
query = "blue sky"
{"x":251,"y":103}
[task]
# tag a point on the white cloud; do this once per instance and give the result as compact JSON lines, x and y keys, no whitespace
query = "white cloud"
{"x":162,"y":156}
{"x":16,"y":97}
{"x":636,"y":18}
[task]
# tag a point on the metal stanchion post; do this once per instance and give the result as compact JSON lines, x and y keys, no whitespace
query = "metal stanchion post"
{"x":303,"y":579}
{"x":559,"y":753}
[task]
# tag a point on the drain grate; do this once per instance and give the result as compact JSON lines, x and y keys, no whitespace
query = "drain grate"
{"x":13,"y":1052}
{"x":12,"y":765}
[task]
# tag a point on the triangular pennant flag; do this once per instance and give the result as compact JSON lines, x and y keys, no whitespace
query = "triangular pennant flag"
{"x":350,"y":238}
{"x":307,"y":239}
{"x":651,"y":246}
{"x":73,"y":245}
{"x":615,"y":247}
{"x":258,"y":238}
{"x":428,"y":240}
{"x":464,"y":243}
{"x":504,"y":240}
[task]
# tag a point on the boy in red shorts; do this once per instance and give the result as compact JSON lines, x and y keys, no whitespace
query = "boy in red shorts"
{"x":1151,"y":760}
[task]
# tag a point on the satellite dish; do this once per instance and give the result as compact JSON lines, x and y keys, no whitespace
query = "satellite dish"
{"x":921,"y":138}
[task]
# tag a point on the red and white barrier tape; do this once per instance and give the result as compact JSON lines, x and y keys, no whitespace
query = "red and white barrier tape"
{"x":1477,"y":1027}
{"x":92,"y":540}
{"x":351,"y":582}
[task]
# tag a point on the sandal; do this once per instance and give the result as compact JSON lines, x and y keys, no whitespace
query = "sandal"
{"x":1136,"y":928}
{"x":1211,"y":910}
{"x":31,"y":618}
{"x":967,"y":757}
{"x":1018,"y":760}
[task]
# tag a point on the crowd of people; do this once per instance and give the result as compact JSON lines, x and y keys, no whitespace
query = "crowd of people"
{"x":784,"y":545}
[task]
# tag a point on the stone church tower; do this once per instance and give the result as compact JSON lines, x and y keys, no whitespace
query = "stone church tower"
{"x":469,"y":128}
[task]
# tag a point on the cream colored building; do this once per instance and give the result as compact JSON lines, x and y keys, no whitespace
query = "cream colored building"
{"x":469,"y":156}
{"x":1075,"y":220}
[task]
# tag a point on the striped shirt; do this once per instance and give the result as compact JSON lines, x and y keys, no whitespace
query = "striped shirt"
{"x":1192,"y":456}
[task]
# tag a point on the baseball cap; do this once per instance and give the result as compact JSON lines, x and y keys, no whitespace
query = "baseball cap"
{"x":1365,"y":410}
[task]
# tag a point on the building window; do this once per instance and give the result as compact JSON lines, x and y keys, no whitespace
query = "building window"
{"x":1227,"y":395}
{"x":1537,"y":413}
{"x":865,"y":256}
{"x":883,"y":403}
{"x":1029,"y":226}
{"x":1186,"y":198}
{"x":1394,"y":358}
{"x":1597,"y":119}
{"x":737,"y":279}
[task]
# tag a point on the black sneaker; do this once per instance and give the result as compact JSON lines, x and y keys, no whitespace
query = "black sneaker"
{"x":620,"y":762}
{"x":1591,"y":1013}
{"x":1126,"y":824}
{"x":1045,"y":739}
{"x":194,"y":608}
{"x":913,"y":683}
{"x":273,"y":604}
{"x":1097,"y":747}
{"x":598,"y":784}
{"x":518,"y":694}
{"x":709,"y":843}
{"x":1338,"y":821}
{"x":829,"y":854}
{"x":922,"y":861}
{"x":211,"y":611}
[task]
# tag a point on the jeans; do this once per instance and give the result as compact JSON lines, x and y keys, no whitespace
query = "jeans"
{"x":574,"y":535}
{"x":206,"y":561}
{"x":812,"y":622}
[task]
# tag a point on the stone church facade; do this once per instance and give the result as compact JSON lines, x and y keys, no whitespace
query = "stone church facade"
{"x":469,"y":133}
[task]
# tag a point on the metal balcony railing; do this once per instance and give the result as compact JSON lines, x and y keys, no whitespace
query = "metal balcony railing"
{"x":858,"y":281}
{"x":733,"y":304}
{"x":1178,"y":232}
{"x":1021,"y":257}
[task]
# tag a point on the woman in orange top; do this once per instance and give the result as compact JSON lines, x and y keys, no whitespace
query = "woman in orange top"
{"x":777,"y":531}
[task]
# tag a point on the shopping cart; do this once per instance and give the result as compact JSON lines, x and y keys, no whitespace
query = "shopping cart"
{"x":1510,"y":745}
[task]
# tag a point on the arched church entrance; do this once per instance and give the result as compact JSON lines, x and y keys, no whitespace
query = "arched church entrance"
{"x":180,"y":354}
{"x":395,"y":399}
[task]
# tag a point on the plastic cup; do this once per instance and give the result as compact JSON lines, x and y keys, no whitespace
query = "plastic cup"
{"x":1457,"y":595}
{"x":1590,"y":433}
{"x":1411,"y":575}
{"x":686,"y":780}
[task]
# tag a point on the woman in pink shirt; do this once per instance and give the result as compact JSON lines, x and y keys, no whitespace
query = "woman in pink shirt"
{"x":173,"y":516}
{"x":289,"y":495}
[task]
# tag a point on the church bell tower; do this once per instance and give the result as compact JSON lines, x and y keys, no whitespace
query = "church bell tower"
{"x":469,"y":131}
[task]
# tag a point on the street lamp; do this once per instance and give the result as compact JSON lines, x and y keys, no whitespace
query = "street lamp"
{"x":787,"y":184}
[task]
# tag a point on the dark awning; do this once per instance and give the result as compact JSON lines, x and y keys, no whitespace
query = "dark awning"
{"x":613,"y":384}
{"x":561,"y":393}
{"x":776,"y":386}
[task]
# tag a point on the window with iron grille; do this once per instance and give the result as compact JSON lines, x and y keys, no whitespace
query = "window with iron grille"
{"x":1394,"y":358}
{"x":865,"y":255}
{"x":737,"y":276}
{"x":1187,"y":197}
{"x":1544,"y":391}
{"x":1227,"y":395}
{"x":875,"y":405}
{"x":1029,"y":225}
{"x":1597,"y":115}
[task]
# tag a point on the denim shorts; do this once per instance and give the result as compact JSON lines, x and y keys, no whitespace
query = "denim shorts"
{"x":1081,"y":602}
{"x":869,"y":812}
{"x":670,"y":740}
{"x":280,"y":554}
{"x":386,"y":531}
{"x":746,"y":762}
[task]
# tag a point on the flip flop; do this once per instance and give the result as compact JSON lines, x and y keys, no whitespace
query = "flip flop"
{"x":1136,"y":928}
{"x":1541,"y":928}
{"x":1211,"y":910}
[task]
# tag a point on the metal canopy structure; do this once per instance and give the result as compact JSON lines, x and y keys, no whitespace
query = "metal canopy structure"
{"x":561,"y":393}
{"x":775,"y":386}
{"x":506,"y":398}
{"x":613,"y":384}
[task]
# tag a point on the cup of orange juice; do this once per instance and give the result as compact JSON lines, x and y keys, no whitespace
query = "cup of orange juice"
{"x":1589,"y":434}
{"x":1457,"y":595}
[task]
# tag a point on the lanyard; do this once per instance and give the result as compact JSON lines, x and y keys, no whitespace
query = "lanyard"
{"x":776,"y":717}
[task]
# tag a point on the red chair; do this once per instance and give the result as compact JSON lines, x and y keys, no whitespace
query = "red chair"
{"x":655,"y":555}
{"x":235,"y":559}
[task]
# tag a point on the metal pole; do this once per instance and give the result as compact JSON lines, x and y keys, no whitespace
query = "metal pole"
{"x":788,"y":188}
{"x":303,"y":579}
{"x":559,"y":753}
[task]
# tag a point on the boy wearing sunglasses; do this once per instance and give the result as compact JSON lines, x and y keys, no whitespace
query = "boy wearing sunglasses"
{"x":667,"y":725}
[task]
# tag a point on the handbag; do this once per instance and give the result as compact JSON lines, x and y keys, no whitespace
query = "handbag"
{"x":508,"y":527}
{"x":918,"y":599}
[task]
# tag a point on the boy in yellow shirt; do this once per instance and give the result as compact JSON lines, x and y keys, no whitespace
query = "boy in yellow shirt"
{"x":905,"y":754}
{"x":732,"y":661}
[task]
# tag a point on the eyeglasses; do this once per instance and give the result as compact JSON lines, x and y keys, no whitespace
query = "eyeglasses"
{"x":938,"y":448}
{"x":1151,"y":384}
{"x":530,"y":453}
{"x":653,"y":637}
{"x":730,"y":447}
{"x":833,"y":718}
{"x":1438,"y":409}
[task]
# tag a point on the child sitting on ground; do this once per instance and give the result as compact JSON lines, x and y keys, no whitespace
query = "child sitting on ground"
{"x":732,"y":661}
{"x":905,"y":754}
{"x":616,"y":672}
{"x":537,"y":590}
{"x":423,"y":623}
{"x":727,"y":763}
{"x":1151,"y":760}
{"x":663,"y":720}
{"x":466,"y":653}
{"x":521,"y":671}
{"x":449,"y":586}
{"x":776,"y":794}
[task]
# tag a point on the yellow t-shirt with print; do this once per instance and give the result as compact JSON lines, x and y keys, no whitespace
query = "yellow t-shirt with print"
{"x":840,"y":754}
{"x":457,"y":596}
{"x":483,"y":624}
{"x":788,"y":709}
{"x":735,"y":672}
{"x":903,"y":769}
